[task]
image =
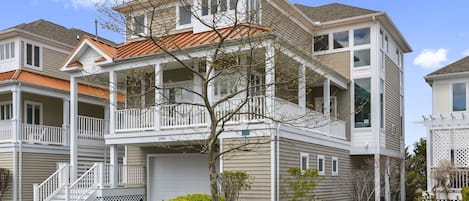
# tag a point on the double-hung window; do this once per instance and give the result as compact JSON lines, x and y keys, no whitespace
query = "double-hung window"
{"x":33,"y":113}
{"x":33,"y":55}
{"x":184,"y":16}
{"x":459,"y":97}
{"x":304,"y":161}
{"x":335,"y":166}
{"x":6,"y":111}
{"x":138,"y":25}
{"x":321,"y":165}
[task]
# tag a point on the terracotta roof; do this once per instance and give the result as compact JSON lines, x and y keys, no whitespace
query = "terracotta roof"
{"x":170,"y":42}
{"x":334,"y":11}
{"x":459,"y":66}
{"x":55,"y":83}
{"x":55,"y":32}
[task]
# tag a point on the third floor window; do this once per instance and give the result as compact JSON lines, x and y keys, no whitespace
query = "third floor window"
{"x":217,"y":6}
{"x":138,"y":24}
{"x":33,"y":55}
{"x":459,"y":97}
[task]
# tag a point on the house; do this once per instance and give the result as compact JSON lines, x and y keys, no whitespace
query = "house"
{"x":447,"y":127}
{"x":34,"y":107}
{"x":293,"y":85}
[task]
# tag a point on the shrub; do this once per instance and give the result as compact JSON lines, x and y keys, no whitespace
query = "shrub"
{"x":195,"y":197}
{"x":465,"y":193}
{"x":233,"y":182}
{"x":300,"y":185}
{"x":5,"y":175}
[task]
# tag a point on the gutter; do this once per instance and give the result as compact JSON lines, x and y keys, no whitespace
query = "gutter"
{"x":430,"y":78}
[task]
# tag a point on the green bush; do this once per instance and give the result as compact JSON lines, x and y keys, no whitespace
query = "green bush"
{"x":195,"y":197}
{"x":465,"y":193}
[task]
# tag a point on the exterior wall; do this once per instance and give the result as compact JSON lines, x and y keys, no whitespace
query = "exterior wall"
{"x":339,"y":61}
{"x":36,"y":168}
{"x":392,"y":104}
{"x":290,"y":157}
{"x":138,"y":155}
{"x":163,"y":23}
{"x":255,"y":163}
{"x":51,"y":116}
{"x":284,"y":26}
{"x":441,"y":97}
{"x":52,"y":61}
{"x":90,"y":110}
{"x":6,"y":161}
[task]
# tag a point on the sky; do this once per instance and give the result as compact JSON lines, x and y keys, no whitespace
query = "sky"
{"x":437,"y":31}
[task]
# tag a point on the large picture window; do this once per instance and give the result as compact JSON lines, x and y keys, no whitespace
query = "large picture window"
{"x":459,"y":97}
{"x":340,"y":39}
{"x":362,"y":103}
{"x":361,"y":36}
{"x":361,"y":58}
{"x":321,"y":43}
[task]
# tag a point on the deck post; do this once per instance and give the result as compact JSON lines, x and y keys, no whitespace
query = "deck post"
{"x":327,"y":98}
{"x":270,"y":80}
{"x":66,"y":121}
{"x":302,"y":88}
{"x":158,"y":95}
{"x":16,"y":104}
{"x":114,"y":169}
{"x":73,"y":129}
{"x":112,"y":101}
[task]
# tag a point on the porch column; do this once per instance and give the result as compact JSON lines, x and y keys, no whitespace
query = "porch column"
{"x":270,"y":80}
{"x":112,"y":101}
{"x":377,"y":177}
{"x":16,"y":123}
{"x":106,"y":119}
{"x":114,"y":171}
{"x":73,"y":128}
{"x":327,"y":97}
{"x":66,"y":121}
{"x":302,"y":87}
{"x":158,"y":95}
{"x":387,"y":188}
{"x":197,"y":80}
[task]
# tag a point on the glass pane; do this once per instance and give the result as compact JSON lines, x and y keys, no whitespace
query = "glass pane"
{"x":340,"y":39}
{"x":334,"y":166}
{"x":8,"y":112}
{"x":29,"y":54}
{"x":320,"y":164}
{"x":304,"y":161}
{"x":7,"y":51}
{"x":204,"y":7}
{"x":381,"y":103}
{"x":459,"y":97}
{"x":12,"y":49}
{"x":184,"y":15}
{"x":223,"y":6}
{"x":2,"y":112}
{"x":321,"y":43}
{"x":139,"y":24}
{"x":361,"y":58}
{"x":36,"y":56}
{"x":29,"y":114}
{"x":233,"y":4}
{"x":362,"y":103}
{"x":361,"y":36}
{"x":2,"y":54}
{"x":213,"y":6}
{"x":37,"y":113}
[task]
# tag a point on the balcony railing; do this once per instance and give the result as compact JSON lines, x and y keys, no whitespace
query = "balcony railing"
{"x":43,"y":134}
{"x":5,"y":131}
{"x":455,"y":180}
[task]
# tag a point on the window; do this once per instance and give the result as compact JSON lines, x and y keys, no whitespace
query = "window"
{"x":459,"y":97}
{"x":321,"y":43}
{"x":6,"y":111}
{"x":33,"y":55}
{"x":319,"y":105}
{"x":381,"y":103}
{"x":361,"y":36}
{"x":184,"y":15}
{"x":254,"y":9}
{"x":340,"y":39}
{"x":335,"y":166}
{"x":256,"y":82}
{"x":304,"y":161}
{"x":33,"y":113}
{"x":217,"y":6}
{"x":361,"y":58}
{"x":321,"y":165}
{"x":139,"y":24}
{"x":7,"y":51}
{"x":362,"y":103}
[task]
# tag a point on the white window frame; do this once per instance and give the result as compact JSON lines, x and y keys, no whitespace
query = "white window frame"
{"x":41,"y":111}
{"x":336,"y":160}
{"x":323,"y":167}
{"x":452,"y":96}
{"x":319,"y":107}
{"x":32,"y":66}
{"x":209,"y":8}
{"x":145,"y":22}
{"x":7,"y":103}
{"x":184,"y":26}
{"x":303,"y":154}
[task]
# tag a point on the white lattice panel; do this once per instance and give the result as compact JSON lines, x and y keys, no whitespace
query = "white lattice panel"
{"x":122,"y":198}
{"x":441,"y":145}
{"x":461,"y":147}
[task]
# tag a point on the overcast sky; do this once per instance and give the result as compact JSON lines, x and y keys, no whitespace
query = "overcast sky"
{"x":437,"y":31}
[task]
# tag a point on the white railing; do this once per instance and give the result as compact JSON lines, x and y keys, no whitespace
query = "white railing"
{"x":52,"y":185}
{"x":6,"y":130}
{"x":90,"y":128}
{"x":43,"y":134}
{"x":457,"y":179}
{"x":84,"y":185}
{"x":131,"y":175}
{"x":178,"y":115}
{"x":135,"y":119}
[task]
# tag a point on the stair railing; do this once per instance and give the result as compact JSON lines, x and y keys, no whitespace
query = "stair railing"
{"x":53,"y":184}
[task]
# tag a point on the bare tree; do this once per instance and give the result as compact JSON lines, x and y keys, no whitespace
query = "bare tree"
{"x":5,"y":176}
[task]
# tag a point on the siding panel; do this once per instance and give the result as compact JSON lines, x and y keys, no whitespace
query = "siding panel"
{"x":52,"y":62}
{"x":6,"y":161}
{"x":392,"y":111}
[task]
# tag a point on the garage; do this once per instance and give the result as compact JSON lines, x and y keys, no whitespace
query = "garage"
{"x":172,"y":175}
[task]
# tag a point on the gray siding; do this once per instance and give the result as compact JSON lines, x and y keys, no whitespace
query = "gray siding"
{"x":255,"y":162}
{"x":6,"y":161}
{"x":52,"y":62}
{"x":392,"y":102}
{"x":328,"y":185}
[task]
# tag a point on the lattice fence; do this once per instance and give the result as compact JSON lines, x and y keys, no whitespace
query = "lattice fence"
{"x":122,"y":198}
{"x":451,"y":141}
{"x":441,"y":145}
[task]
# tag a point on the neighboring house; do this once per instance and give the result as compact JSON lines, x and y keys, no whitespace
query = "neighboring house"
{"x":351,"y":80}
{"x":448,"y":127}
{"x":34,"y":107}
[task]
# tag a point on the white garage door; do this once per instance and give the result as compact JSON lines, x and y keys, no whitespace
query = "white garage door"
{"x":174,"y":175}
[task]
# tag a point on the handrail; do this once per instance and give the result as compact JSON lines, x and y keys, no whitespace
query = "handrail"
{"x":90,"y":128}
{"x":52,"y":185}
{"x":84,"y":184}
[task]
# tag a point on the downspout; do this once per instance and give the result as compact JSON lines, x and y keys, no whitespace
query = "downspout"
{"x":20,"y":161}
{"x":275,"y":172}
{"x":15,"y":174}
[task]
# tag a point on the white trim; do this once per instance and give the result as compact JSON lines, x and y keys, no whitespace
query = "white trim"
{"x":33,"y":103}
{"x":336,"y":172}
{"x":25,"y":55}
{"x":318,"y":165}
{"x":303,"y":154}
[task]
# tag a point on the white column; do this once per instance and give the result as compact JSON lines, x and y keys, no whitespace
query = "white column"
{"x":387,"y":188}
{"x":403,"y":179}
{"x":106,"y":119}
{"x":197,"y":80}
{"x":270,"y":80}
{"x":302,"y":87}
{"x":158,"y":95}
{"x":66,"y":121}
{"x":16,"y":103}
{"x":73,"y":129}
{"x":112,"y":101}
{"x":210,"y":86}
{"x":114,"y":171}
{"x":327,"y":97}
{"x":377,"y":177}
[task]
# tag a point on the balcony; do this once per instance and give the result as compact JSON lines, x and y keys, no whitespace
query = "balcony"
{"x":91,"y":130}
{"x":455,"y":180}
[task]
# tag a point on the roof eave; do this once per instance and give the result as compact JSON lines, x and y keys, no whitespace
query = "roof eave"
{"x":395,"y":32}
{"x":430,"y":78}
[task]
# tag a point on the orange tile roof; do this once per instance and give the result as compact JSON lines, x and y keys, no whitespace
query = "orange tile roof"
{"x":55,"y":83}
